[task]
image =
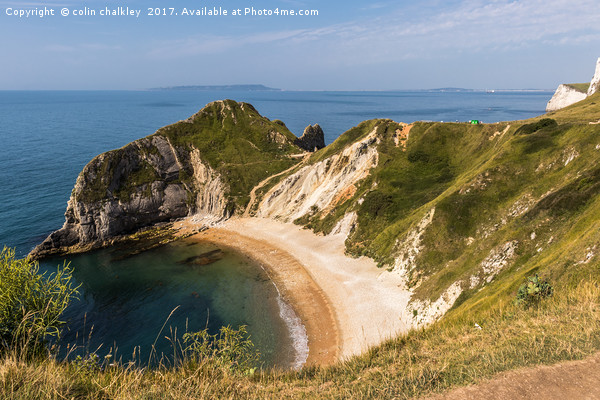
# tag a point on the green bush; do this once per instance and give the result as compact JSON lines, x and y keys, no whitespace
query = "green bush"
{"x":31,"y":303}
{"x":230,"y":348}
{"x":528,"y":129}
{"x":532,"y":291}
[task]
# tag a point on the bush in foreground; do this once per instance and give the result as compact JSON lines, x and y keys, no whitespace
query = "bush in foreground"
{"x":31,"y":303}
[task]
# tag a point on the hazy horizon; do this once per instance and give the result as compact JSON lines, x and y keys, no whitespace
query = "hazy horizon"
{"x":340,"y":46}
{"x":175,"y":88}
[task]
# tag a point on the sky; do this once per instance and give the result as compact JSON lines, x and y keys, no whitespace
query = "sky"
{"x":349,"y":45}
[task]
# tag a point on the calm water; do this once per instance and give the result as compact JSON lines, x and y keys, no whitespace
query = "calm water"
{"x":127,"y":300}
{"x":47,"y":137}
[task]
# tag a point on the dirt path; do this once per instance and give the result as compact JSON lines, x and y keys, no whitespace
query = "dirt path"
{"x":265,"y":181}
{"x":564,"y":381}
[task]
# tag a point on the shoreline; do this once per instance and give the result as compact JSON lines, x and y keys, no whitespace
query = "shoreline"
{"x":293,"y":283}
{"x":347,"y":305}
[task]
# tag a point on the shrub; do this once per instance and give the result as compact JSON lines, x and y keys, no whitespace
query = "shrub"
{"x":533,"y":127}
{"x":230,"y":348}
{"x":532,"y":291}
{"x":31,"y":303}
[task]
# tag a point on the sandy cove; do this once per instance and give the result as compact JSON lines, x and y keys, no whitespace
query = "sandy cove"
{"x":347,"y":305}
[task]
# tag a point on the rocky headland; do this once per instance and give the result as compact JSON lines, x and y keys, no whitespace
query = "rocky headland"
{"x":567,"y":94}
{"x":194,"y":167}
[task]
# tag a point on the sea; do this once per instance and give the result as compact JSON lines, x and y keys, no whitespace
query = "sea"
{"x":133,"y":307}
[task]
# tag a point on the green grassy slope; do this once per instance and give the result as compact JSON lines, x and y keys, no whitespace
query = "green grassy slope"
{"x":580,"y":87}
{"x":233,"y":138}
{"x":531,"y":183}
{"x":239,"y":143}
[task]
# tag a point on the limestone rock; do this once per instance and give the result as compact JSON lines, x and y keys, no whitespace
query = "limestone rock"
{"x":564,"y":96}
{"x":138,"y":185}
{"x":319,"y":186}
{"x":312,"y":139}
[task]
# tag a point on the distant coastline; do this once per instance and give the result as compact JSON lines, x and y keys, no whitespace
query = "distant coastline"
{"x":263,"y":88}
{"x":248,"y":88}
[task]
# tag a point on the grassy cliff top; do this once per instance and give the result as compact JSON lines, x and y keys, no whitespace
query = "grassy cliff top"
{"x":580,"y":87}
{"x":232,"y":138}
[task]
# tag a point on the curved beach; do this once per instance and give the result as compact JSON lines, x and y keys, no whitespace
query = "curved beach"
{"x":346,"y":305}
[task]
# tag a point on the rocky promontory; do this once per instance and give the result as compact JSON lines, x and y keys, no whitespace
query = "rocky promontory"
{"x":205,"y":165}
{"x":567,"y":94}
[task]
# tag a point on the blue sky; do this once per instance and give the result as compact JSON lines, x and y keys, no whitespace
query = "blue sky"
{"x":350,"y":45}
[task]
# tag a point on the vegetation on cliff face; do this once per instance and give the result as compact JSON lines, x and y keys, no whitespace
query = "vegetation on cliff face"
{"x":207,"y":164}
{"x":237,"y":142}
{"x":580,"y":87}
{"x":481,"y":205}
{"x":242,"y":146}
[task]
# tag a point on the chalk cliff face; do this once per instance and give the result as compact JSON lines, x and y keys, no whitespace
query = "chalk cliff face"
{"x":564,"y":96}
{"x":322,"y":185}
{"x":187,"y":168}
{"x":595,"y":83}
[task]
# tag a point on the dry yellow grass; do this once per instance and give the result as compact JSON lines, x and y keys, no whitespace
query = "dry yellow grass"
{"x":451,"y":353}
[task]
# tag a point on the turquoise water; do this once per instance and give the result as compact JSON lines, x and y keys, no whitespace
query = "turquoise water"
{"x":124,"y":302}
{"x":48,"y":137}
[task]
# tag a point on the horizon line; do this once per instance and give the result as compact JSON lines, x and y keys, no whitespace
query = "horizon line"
{"x":175,"y":89}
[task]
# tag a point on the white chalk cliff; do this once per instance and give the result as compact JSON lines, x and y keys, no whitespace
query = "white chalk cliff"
{"x":321,"y":186}
{"x":566,"y":95}
{"x":595,"y":83}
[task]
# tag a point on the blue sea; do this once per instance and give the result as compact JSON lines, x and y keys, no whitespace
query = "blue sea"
{"x":48,"y":136}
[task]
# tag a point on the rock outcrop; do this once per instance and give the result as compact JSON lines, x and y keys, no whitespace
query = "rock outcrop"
{"x":595,"y":83}
{"x":188,"y":168}
{"x":567,"y":94}
{"x":312,"y":139}
{"x":320,"y":186}
{"x":139,"y":185}
{"x":564,"y":96}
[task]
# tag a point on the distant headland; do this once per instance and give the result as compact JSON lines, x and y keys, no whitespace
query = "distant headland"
{"x":248,"y":88}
